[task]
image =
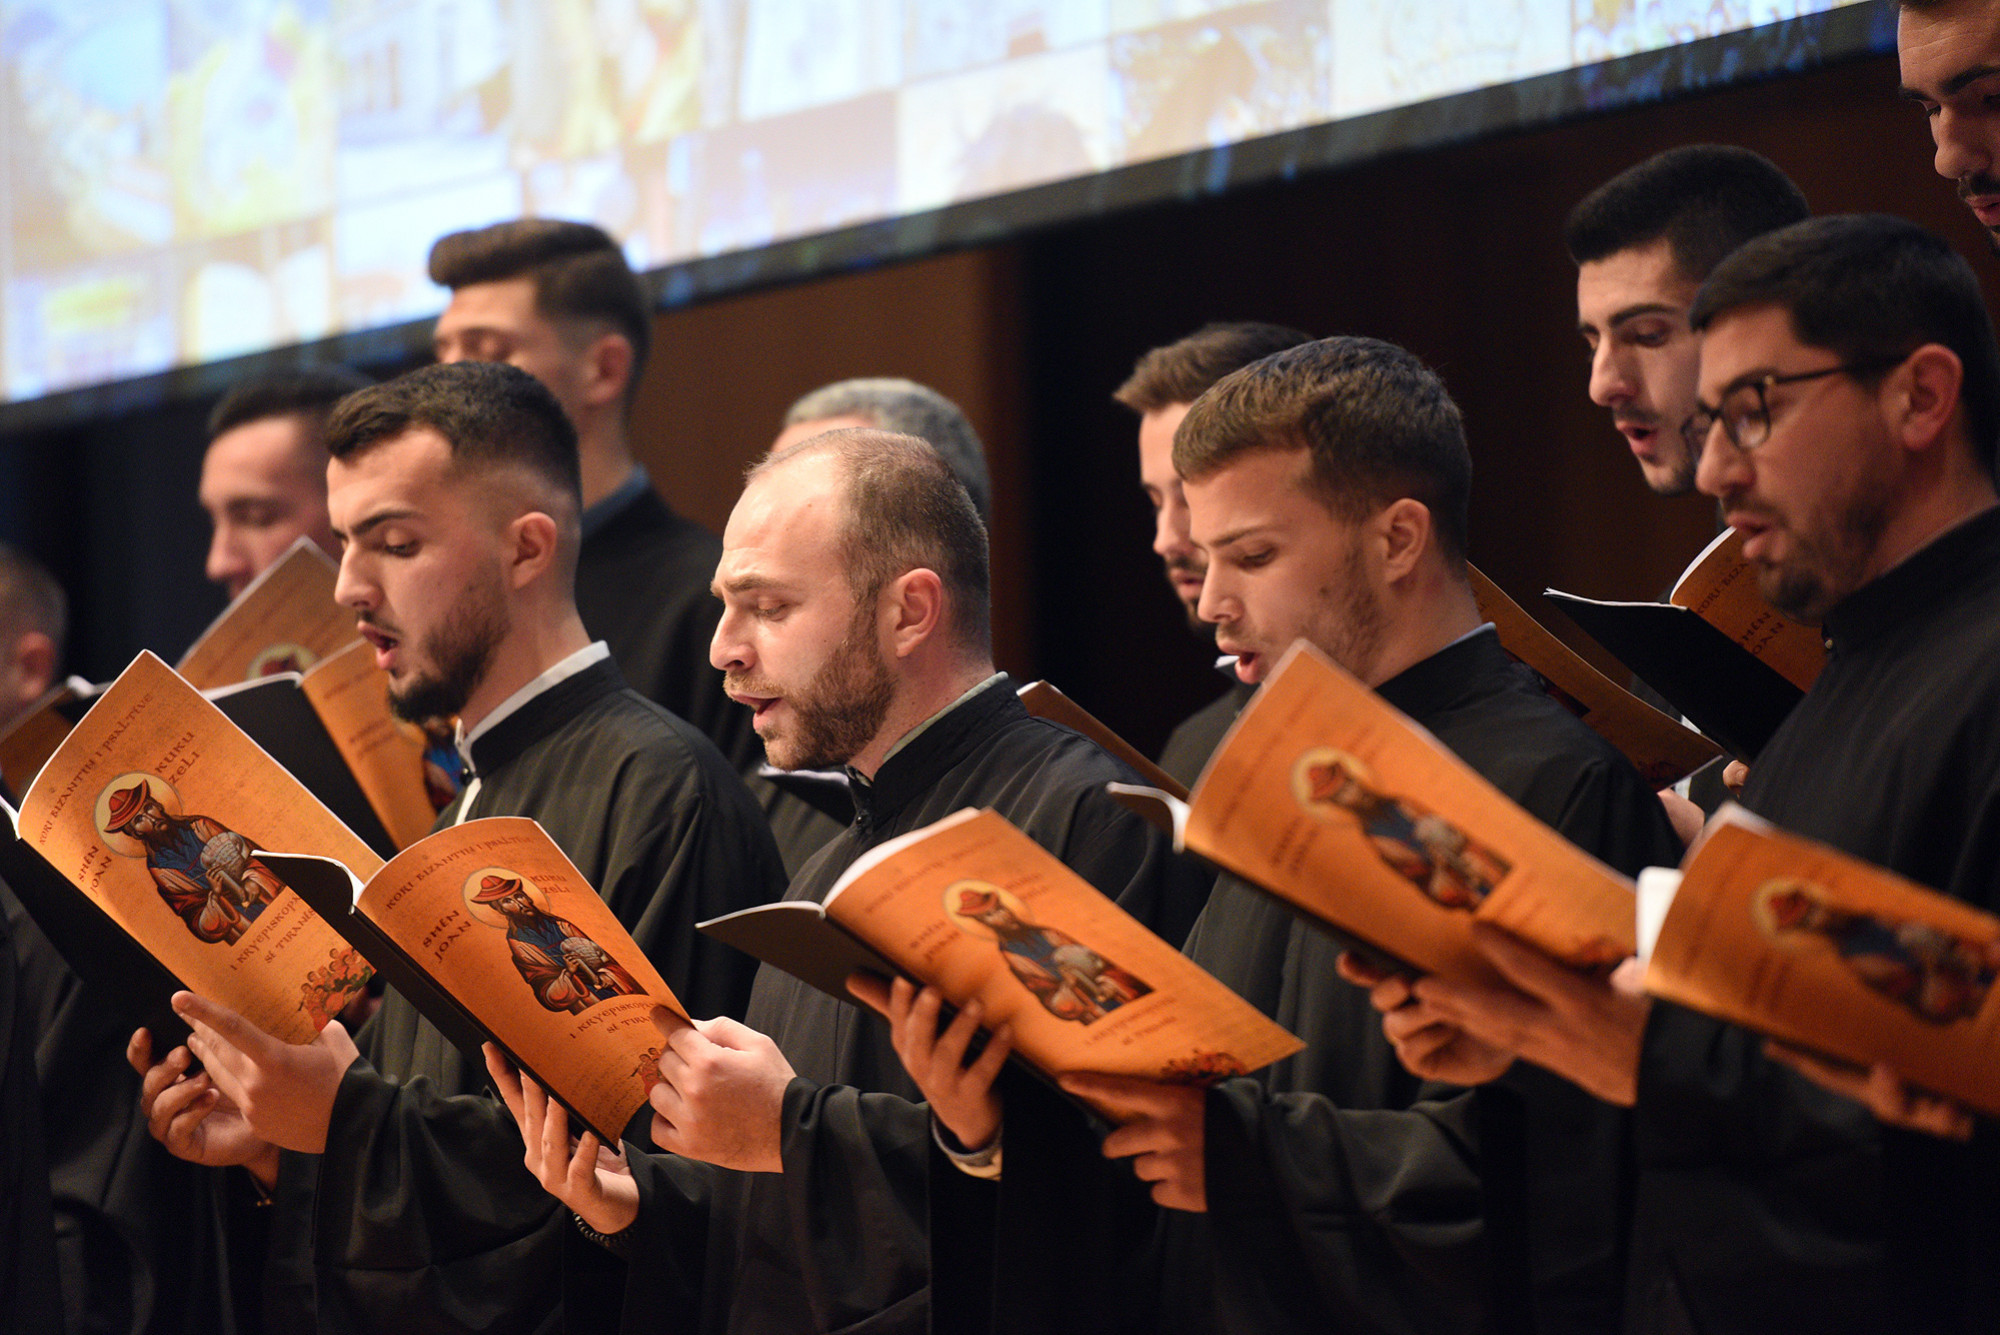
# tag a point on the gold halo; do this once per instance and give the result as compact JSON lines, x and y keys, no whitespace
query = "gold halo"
{"x":971,"y":925}
{"x":1323,"y":755}
{"x":275,"y":658}
{"x":1766,"y":917}
{"x":492,"y":917}
{"x":124,"y":845}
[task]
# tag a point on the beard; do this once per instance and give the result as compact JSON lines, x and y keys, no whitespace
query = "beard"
{"x":1352,"y":635}
{"x":1808,"y":589}
{"x":459,"y":651}
{"x":839,"y":712}
{"x":1182,"y":565}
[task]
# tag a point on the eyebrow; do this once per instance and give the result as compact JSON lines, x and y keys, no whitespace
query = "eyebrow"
{"x":1634,"y":312}
{"x":374,"y":521}
{"x":740,"y":584}
{"x":1238,"y":535}
{"x":1965,"y":77}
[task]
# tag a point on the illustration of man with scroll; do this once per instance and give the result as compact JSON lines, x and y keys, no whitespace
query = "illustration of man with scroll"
{"x":566,"y":969}
{"x":1422,"y":847}
{"x":1072,"y":981}
{"x":1939,"y":976}
{"x":205,"y":871}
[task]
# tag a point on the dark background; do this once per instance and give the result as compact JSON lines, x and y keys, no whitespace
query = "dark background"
{"x":1453,"y":252}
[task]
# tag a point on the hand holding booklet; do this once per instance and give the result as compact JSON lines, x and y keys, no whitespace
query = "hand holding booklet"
{"x":1327,"y":797}
{"x":976,"y":908}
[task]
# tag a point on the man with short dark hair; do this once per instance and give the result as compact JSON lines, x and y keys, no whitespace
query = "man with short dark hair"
{"x":1642,"y":243}
{"x":1163,"y":383}
{"x":890,"y":403}
{"x":1851,"y":392}
{"x":558,"y":300}
{"x":400,"y":1199}
{"x":1949,"y":51}
{"x":34,"y":623}
{"x":856,"y":629}
{"x":263,"y":479}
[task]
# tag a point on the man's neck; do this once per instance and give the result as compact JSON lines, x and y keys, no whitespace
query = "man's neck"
{"x":1917,"y":525}
{"x":920,"y":698}
{"x":1438,"y":612}
{"x":531,"y":648}
{"x":604,"y":457}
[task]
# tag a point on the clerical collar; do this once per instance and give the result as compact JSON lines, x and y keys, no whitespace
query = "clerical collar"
{"x":931,"y":748}
{"x":1434,"y":682}
{"x":596,"y":516}
{"x":1947,"y":568}
{"x":468,"y":742}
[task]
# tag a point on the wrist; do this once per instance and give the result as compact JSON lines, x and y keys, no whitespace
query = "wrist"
{"x":263,"y":1169}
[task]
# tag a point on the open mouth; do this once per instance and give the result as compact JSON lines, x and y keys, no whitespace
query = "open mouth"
{"x":760,"y":706}
{"x":384,"y":643}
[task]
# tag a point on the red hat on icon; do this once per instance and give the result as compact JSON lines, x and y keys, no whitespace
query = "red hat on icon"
{"x":125,"y":804}
{"x":496,"y":887}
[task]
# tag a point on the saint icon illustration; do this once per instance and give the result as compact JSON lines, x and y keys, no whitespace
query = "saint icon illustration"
{"x":282,"y":657}
{"x":205,"y":871}
{"x":1417,"y":844}
{"x":1938,"y":976}
{"x":1072,"y":981}
{"x":566,"y":970}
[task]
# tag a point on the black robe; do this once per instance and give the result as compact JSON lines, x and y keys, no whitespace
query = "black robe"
{"x":1195,"y":737}
{"x":838,"y":1241}
{"x":420,"y":1217}
{"x":642,"y":582}
{"x":1343,"y":1192}
{"x":29,"y":1298}
{"x":1765,"y":1203}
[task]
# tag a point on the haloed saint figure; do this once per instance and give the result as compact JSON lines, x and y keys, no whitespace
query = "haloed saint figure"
{"x":566,"y":970}
{"x":1417,"y":844}
{"x":1072,"y":981}
{"x":1939,"y":976}
{"x":205,"y":871}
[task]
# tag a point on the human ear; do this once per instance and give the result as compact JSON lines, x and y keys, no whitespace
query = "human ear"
{"x":1402,"y":533}
{"x":1923,"y":394}
{"x":610,"y":363}
{"x":531,"y":547}
{"x":917,"y":598}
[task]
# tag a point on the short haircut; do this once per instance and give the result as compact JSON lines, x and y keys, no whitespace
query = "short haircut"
{"x":307,"y":394}
{"x":1376,"y":422}
{"x":909,"y":409}
{"x":31,"y":599}
{"x":906,"y":510}
{"x":493,"y":416}
{"x":1868,"y":286}
{"x":1182,"y":372}
{"x":1705,"y":199}
{"x":578,"y":271}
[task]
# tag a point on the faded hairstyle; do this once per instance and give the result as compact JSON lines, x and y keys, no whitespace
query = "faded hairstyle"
{"x":307,"y":394}
{"x":1182,"y":371}
{"x":31,"y":599}
{"x":1705,"y":199}
{"x":1376,"y":422}
{"x":909,"y":409}
{"x":906,"y":510}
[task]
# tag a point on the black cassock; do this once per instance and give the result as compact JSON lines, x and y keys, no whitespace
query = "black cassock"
{"x":838,"y":1241}
{"x":1195,"y":737}
{"x":642,"y":580}
{"x":1765,"y":1203}
{"x":420,"y":1217}
{"x":29,"y":1299}
{"x":1343,"y":1192}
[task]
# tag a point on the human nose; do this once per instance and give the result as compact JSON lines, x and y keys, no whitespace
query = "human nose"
{"x":1964,"y":144}
{"x":1724,"y":468}
{"x":1611,"y":381}
{"x":226,"y":565}
{"x":1170,"y":529}
{"x":1216,"y":604}
{"x":353,"y":586}
{"x":729,"y":649}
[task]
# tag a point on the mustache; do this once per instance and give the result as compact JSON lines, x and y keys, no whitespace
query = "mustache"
{"x":1186,"y":565}
{"x":1978,"y":183}
{"x":1634,"y":417}
{"x":748,"y":686}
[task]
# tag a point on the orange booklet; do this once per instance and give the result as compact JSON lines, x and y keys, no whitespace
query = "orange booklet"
{"x":27,"y":743}
{"x":1046,"y":702}
{"x":1327,"y":797}
{"x":149,"y":826}
{"x":1663,"y":749}
{"x":978,"y":909}
{"x":1797,"y":940}
{"x":285,"y":621}
{"x":493,"y":934}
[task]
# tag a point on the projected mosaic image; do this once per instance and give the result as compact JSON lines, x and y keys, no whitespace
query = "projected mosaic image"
{"x":190,"y":179}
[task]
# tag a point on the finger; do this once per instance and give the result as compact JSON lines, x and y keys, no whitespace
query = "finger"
{"x":228,"y":1066}
{"x":1358,"y":970}
{"x":668,"y":1021}
{"x":556,"y":1156}
{"x":1145,"y":1136}
{"x":161,"y":1077}
{"x":902,"y":997}
{"x":583,"y":1166}
{"x":506,"y":1080}
{"x":957,"y":1036}
{"x":1524,"y":966}
{"x":1839,"y":1078}
{"x":724,"y":1032}
{"x":177,"y":1100}
{"x":1895,"y":1099}
{"x":998,"y":1045}
{"x":871,"y":990}
{"x":225,"y":1023}
{"x":139,"y":1052}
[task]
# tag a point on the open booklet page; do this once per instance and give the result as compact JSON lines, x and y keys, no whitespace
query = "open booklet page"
{"x":386,"y":755}
{"x":286,"y":621}
{"x":978,"y":909}
{"x":27,"y":743}
{"x":1796,"y":940}
{"x":492,"y":913}
{"x":1720,"y":587}
{"x":156,"y":807}
{"x":1328,"y":797}
{"x":1663,"y":749}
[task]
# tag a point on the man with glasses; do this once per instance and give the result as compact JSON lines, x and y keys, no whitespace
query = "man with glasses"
{"x":1851,"y":387}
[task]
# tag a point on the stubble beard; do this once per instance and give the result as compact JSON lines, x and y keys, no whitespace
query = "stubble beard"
{"x":1351,"y":634}
{"x":1807,"y":590}
{"x":843,"y":707}
{"x":460,"y":651}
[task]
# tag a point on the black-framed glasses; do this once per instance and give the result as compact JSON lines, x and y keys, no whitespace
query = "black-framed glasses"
{"x":1745,"y":412}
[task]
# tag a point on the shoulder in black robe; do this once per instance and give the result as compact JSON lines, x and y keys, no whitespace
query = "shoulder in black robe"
{"x":1765,"y":1203}
{"x":1343,"y":1192}
{"x":30,"y":1302}
{"x":420,"y":1217}
{"x":838,"y":1241}
{"x":1195,"y":738}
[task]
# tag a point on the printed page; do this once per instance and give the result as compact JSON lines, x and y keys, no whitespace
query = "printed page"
{"x":386,"y":754}
{"x":506,"y":924}
{"x":1328,"y":797}
{"x":286,"y":621}
{"x":156,"y":807}
{"x":31,"y":739}
{"x":1662,"y":749}
{"x":978,"y":909}
{"x":1721,"y":588}
{"x":1797,"y":940}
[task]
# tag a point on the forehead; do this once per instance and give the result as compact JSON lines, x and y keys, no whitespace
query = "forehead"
{"x":507,"y":304}
{"x":786,"y":526}
{"x":409,"y":471}
{"x":1936,"y":47}
{"x":268,"y":450}
{"x":1156,"y":439}
{"x":1638,"y":276}
{"x":1750,"y":341}
{"x":1264,"y":490}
